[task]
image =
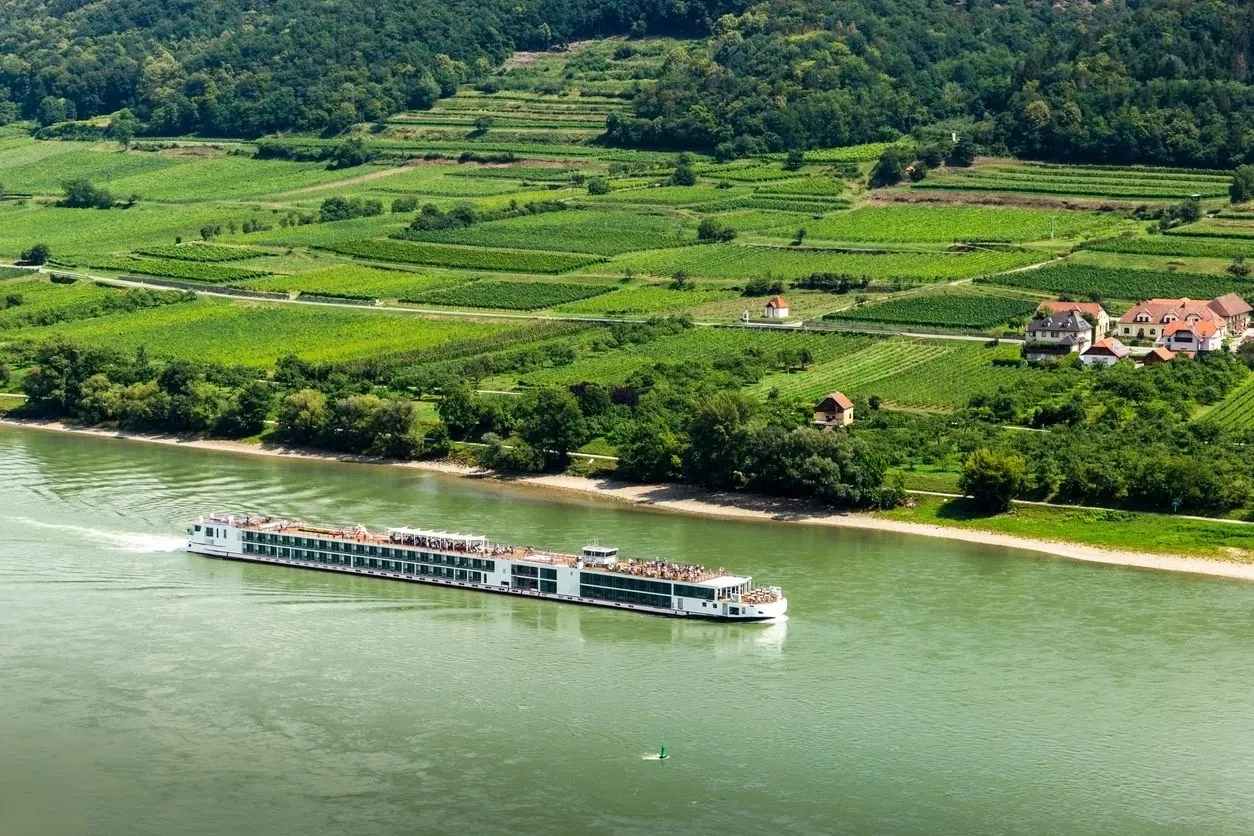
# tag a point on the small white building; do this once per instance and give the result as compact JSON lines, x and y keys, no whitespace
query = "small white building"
{"x":1105,"y":352}
{"x":835,"y":410}
{"x":776,"y":308}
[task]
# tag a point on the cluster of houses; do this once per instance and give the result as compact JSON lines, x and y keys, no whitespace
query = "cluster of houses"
{"x":1175,"y":326}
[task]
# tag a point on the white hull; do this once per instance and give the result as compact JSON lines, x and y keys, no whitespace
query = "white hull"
{"x":483,"y":572}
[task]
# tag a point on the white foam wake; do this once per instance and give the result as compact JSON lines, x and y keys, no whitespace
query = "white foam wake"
{"x":126,"y":541}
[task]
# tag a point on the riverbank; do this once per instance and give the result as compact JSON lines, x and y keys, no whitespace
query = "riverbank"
{"x":1232,"y":545}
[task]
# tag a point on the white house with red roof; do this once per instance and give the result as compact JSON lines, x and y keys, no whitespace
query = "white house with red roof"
{"x":1105,"y":352}
{"x":776,"y":308}
{"x":1187,"y":325}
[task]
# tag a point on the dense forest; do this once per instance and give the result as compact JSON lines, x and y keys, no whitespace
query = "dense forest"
{"x":1164,"y":81}
{"x":246,"y":67}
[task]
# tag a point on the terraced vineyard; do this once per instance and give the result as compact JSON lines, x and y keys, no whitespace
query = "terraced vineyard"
{"x":941,"y":310}
{"x":466,"y":258}
{"x":735,"y":261}
{"x":1129,"y":182}
{"x":901,"y":224}
{"x":1235,"y":412}
{"x":694,"y":346}
{"x":673,"y":195}
{"x":1175,"y":246}
{"x":635,"y":301}
{"x":1087,"y":281}
{"x":1215,"y":229}
{"x":359,"y":281}
{"x":903,"y":372}
{"x":575,"y":231}
{"x":512,"y":296}
{"x":197,"y":251}
{"x":42,"y":300}
{"x":170,"y":268}
{"x":257,"y":335}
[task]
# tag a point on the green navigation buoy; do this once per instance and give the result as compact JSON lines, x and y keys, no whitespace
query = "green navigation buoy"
{"x":661,"y":755}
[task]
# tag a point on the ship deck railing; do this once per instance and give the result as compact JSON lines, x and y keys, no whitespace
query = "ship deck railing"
{"x":662,"y":570}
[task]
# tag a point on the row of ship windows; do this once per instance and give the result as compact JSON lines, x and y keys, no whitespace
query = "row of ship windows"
{"x":627,"y":582}
{"x":626,"y":596}
{"x":418,"y":569}
{"x":533,"y":572}
{"x":372,"y":551}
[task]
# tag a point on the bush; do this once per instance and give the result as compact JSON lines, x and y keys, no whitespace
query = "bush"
{"x":38,"y":254}
{"x":889,"y":170}
{"x":711,"y":230}
{"x":81,"y":194}
{"x":598,"y":185}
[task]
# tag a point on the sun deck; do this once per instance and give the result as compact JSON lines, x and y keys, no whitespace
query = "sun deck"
{"x":458,"y":543}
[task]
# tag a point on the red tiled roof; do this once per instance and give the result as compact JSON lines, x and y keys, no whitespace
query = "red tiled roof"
{"x":1230,"y":305}
{"x":838,"y":398}
{"x":1160,"y":355}
{"x":777,"y":302}
{"x":1159,"y":309}
{"x":1202,"y":328}
{"x":1109,"y":347}
{"x":1091,"y":308}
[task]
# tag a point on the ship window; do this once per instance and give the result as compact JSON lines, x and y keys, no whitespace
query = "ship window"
{"x":548,"y":586}
{"x":198,"y":528}
{"x":549,"y":574}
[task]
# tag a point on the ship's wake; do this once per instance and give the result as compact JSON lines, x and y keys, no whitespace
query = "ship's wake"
{"x":124,"y":541}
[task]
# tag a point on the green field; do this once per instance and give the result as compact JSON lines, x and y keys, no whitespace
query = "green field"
{"x":38,"y":298}
{"x":466,"y":258}
{"x":356,"y":280}
{"x":510,"y":296}
{"x":901,"y":224}
{"x":1236,"y":411}
{"x":1088,"y":281}
{"x":904,"y":372}
{"x":1176,"y":246}
{"x":589,"y":231}
{"x":197,"y":251}
{"x":638,"y":300}
{"x":195,"y":271}
{"x":1129,"y":182}
{"x":694,"y":346}
{"x":941,"y":310}
{"x":257,"y":335}
{"x":736,"y":261}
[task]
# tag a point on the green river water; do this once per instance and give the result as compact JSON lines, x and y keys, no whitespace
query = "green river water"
{"x":918,"y":686}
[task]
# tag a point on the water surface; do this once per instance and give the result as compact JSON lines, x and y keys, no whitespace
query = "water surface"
{"x":919,"y":686}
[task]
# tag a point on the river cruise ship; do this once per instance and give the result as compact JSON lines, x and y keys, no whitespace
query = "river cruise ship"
{"x":596,"y":576}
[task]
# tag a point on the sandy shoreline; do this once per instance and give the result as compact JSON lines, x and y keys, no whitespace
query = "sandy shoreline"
{"x":691,"y":500}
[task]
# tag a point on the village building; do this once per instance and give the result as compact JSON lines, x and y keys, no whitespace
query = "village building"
{"x":776,"y":308}
{"x":1158,"y":355}
{"x":835,"y":410}
{"x":1234,"y":310}
{"x":1091,"y":311}
{"x":1057,"y":335}
{"x":1105,"y":352}
{"x":1186,"y":325}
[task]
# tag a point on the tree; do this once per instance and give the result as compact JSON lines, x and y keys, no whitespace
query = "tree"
{"x":1242,"y":188}
{"x":992,"y":480}
{"x":37,"y":254}
{"x":963,"y":152}
{"x":711,"y":230}
{"x":81,"y":194}
{"x":123,"y":126}
{"x":248,"y":410}
{"x":303,"y":416}
{"x":685,"y":175}
{"x":551,"y":422}
{"x":458,"y":408}
{"x":598,"y":185}
{"x":483,"y":124}
{"x":795,"y":159}
{"x":889,"y":170}
{"x":1239,"y":268}
{"x":718,"y":452}
{"x":649,"y":450}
